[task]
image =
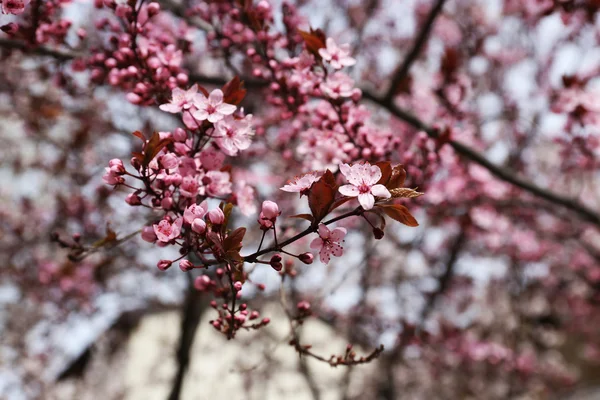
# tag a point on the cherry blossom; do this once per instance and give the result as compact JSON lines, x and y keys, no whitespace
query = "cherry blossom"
{"x":338,"y":85}
{"x":234,"y":134}
{"x":212,"y":108}
{"x":165,"y":231}
{"x":363,"y":180}
{"x":195,"y":211}
{"x":337,"y":56}
{"x":182,"y":100}
{"x":301,"y":184}
{"x":328,"y":243}
{"x":14,"y":6}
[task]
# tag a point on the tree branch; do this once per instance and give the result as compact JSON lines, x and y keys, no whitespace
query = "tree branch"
{"x":403,"y":69}
{"x":504,"y":174}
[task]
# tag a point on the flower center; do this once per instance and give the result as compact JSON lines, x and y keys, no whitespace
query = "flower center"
{"x":364,"y":188}
{"x":211,"y":109}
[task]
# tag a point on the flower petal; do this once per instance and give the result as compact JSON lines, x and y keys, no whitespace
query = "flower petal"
{"x":336,"y":249}
{"x":349,"y":190}
{"x":366,"y":200}
{"x":215,"y":97}
{"x":324,"y":231}
{"x":317,"y":243}
{"x":338,"y":234}
{"x":380,"y":191}
{"x":226,"y":109}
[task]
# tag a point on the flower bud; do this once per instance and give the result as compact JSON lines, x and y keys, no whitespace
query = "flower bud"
{"x":303,"y":306}
{"x":202,"y":282}
{"x":186,"y":265}
{"x":133,"y":199}
{"x":270,"y":210}
{"x":164,"y":264}
{"x":116,"y":166}
{"x":237,"y":286}
{"x":148,"y":234}
{"x":216,"y":216}
{"x":153,"y":9}
{"x":169,"y":161}
{"x":199,"y":226}
{"x":306,"y":258}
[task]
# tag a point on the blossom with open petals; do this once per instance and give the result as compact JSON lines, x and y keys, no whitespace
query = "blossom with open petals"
{"x":165,"y":231}
{"x":182,"y":100}
{"x":328,"y":243}
{"x":301,"y":184}
{"x":363,"y":180}
{"x":13,"y":6}
{"x":234,"y":134}
{"x":337,"y":56}
{"x":212,"y":108}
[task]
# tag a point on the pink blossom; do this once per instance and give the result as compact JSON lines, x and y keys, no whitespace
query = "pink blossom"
{"x":234,"y":134}
{"x":148,"y":234}
{"x":165,"y":231}
{"x":363,"y":180}
{"x":170,"y":56}
{"x":195,"y":211}
{"x":217,"y":183}
{"x":211,"y":159}
{"x":14,"y":6}
{"x":169,"y":161}
{"x":216,"y":216}
{"x":269,"y":213}
{"x":338,"y":85}
{"x":110,"y":177}
{"x":189,"y":186}
{"x":182,"y":100}
{"x":245,"y":198}
{"x":337,"y":56}
{"x":328,"y":243}
{"x":199,"y":226}
{"x":212,"y":108}
{"x":301,"y":184}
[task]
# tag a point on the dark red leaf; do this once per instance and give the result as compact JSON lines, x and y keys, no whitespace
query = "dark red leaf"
{"x":399,"y":213}
{"x":386,"y":171}
{"x":233,"y":241}
{"x":397,"y":178}
{"x":315,"y":40}
{"x":322,"y":196}
{"x":307,"y":217}
{"x":233,"y":91}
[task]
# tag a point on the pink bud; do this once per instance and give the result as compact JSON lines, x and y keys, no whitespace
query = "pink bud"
{"x":148,"y":234}
{"x":116,"y":165}
{"x":186,"y":265}
{"x":169,"y":161}
{"x":216,"y":216}
{"x":153,"y":9}
{"x":199,"y":226}
{"x":265,"y":321}
{"x":303,"y":306}
{"x":270,"y":210}
{"x":237,"y":286}
{"x":202,"y":282}
{"x":254,"y":315}
{"x":133,"y":98}
{"x":133,"y":199}
{"x":179,"y":135}
{"x":306,"y":258}
{"x":164,"y":264}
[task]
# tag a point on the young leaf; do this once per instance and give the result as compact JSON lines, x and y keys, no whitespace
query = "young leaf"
{"x":399,"y":213}
{"x":386,"y":172}
{"x":233,"y":91}
{"x":153,"y":147}
{"x":397,"y":178}
{"x":233,"y":241}
{"x":315,"y":40}
{"x":322,"y":196}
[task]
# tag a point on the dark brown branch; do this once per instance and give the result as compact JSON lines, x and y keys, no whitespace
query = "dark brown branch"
{"x":193,"y":308}
{"x":38,"y":50}
{"x":502,"y":173}
{"x":403,"y":69}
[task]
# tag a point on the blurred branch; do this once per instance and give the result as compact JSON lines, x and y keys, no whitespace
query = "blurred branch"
{"x":420,"y":41}
{"x":193,"y":308}
{"x":38,"y":50}
{"x":502,"y":173}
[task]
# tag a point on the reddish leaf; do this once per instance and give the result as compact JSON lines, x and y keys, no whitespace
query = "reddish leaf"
{"x":216,"y":241}
{"x":386,"y":171}
{"x":233,"y":91}
{"x":315,"y":40}
{"x":153,"y":147}
{"x":322,"y":196}
{"x":399,"y":213}
{"x":233,"y":241}
{"x":139,"y":135}
{"x":397,"y":178}
{"x":203,"y":90}
{"x":307,"y":217}
{"x":227,"y":209}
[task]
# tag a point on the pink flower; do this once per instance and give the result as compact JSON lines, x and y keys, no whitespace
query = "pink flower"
{"x":169,"y":161}
{"x":234,"y":134}
{"x":328,"y":243}
{"x":211,"y":159}
{"x":217,"y":183}
{"x":195,"y":211}
{"x":216,"y":216}
{"x":338,"y":85}
{"x":269,"y":213}
{"x":170,"y":56}
{"x":14,"y":6}
{"x":245,"y":195}
{"x":338,"y":56}
{"x":165,"y":232}
{"x":189,"y":186}
{"x":111,"y":177}
{"x":301,"y":184}
{"x":212,"y":108}
{"x":182,"y":100}
{"x":363,"y":180}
